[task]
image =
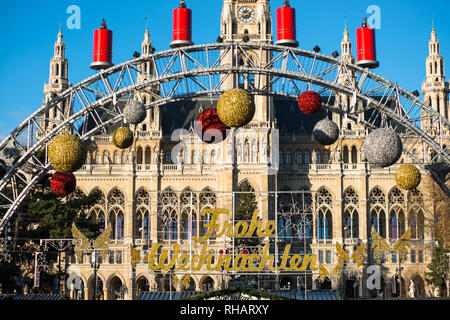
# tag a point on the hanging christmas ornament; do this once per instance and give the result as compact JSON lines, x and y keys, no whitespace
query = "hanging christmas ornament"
{"x":408,"y":177}
{"x":63,"y":184}
{"x":326,"y":132}
{"x":309,"y":102}
{"x":383,"y":147}
{"x":209,"y":127}
{"x":122,"y":138}
{"x":67,"y":153}
{"x":134,"y":112}
{"x":236,"y":108}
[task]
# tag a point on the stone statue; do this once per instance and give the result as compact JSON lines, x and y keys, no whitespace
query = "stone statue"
{"x":363,"y":154}
{"x":254,"y":152}
{"x":332,"y":156}
{"x":239,"y":150}
{"x":437,"y":292}
{"x":338,"y":155}
{"x":411,"y":289}
{"x":264,"y":149}
{"x":314,"y":157}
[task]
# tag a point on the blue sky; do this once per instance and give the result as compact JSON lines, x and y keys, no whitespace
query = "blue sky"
{"x":28,"y":31}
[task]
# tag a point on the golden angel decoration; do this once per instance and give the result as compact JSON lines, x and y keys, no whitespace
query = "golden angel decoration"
{"x":342,"y":256}
{"x":402,"y":245}
{"x":358,"y":255}
{"x":379,"y":245}
{"x":82,"y":243}
{"x":323,"y":272}
{"x":135,"y":256}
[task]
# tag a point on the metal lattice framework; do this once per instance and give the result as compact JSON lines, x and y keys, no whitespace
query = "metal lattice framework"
{"x":202,"y":71}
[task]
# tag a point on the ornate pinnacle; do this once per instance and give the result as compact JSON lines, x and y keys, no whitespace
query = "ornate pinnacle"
{"x":286,"y":3}
{"x":182,"y":4}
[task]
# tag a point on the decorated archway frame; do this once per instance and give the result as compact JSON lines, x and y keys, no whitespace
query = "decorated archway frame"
{"x":202,"y":71}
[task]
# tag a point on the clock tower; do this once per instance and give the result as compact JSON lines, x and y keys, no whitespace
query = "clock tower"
{"x":246,"y":19}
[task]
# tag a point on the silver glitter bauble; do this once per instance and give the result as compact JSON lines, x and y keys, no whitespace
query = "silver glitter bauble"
{"x":326,"y":132}
{"x":134,"y":112}
{"x":383,"y":147}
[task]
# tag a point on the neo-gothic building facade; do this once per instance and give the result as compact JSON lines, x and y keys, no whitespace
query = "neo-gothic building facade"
{"x":348,"y":197}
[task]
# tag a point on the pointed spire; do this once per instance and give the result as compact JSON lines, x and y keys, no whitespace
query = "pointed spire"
{"x":286,"y":3}
{"x":364,"y":23}
{"x":103,"y":25}
{"x":182,"y":4}
{"x":147,"y":32}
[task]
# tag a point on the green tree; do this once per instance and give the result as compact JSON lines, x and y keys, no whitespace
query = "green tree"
{"x":438,"y":267}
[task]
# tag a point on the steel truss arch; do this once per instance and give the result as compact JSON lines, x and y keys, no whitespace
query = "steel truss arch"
{"x":201,"y":71}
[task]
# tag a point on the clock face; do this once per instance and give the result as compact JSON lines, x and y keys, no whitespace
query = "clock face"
{"x":246,"y":14}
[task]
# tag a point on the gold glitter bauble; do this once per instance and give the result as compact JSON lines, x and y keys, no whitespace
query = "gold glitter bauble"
{"x":236,"y":108}
{"x":67,"y":153}
{"x":408,"y":177}
{"x":122,"y":138}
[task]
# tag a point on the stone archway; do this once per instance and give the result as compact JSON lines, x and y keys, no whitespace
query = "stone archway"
{"x":142,"y":285}
{"x":419,"y":286}
{"x":100,"y":289}
{"x":116,"y":289}
{"x":398,"y":287}
{"x":168,"y":284}
{"x":207,"y":284}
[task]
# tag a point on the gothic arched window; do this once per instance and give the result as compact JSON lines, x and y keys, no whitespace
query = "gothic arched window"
{"x":298,"y":156}
{"x":139,"y":155}
{"x":307,"y":157}
{"x":354,"y":155}
{"x":116,"y":197}
{"x":288,"y":157}
{"x":350,"y":197}
{"x":325,"y":224}
{"x":396,"y":223}
{"x":396,"y":196}
{"x":148,"y":155}
{"x":351,"y":223}
{"x":142,"y":198}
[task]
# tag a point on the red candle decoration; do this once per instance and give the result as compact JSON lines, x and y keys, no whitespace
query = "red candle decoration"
{"x":309,"y":102}
{"x":367,"y":49}
{"x":208,"y":126}
{"x":63,"y":184}
{"x":103,"y":42}
{"x":286,"y":26}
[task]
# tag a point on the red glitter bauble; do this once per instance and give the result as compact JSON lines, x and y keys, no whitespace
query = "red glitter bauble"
{"x":206,"y":122}
{"x":63,"y":184}
{"x":309,"y":102}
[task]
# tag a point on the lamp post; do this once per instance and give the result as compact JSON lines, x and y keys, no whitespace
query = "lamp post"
{"x":95,"y":263}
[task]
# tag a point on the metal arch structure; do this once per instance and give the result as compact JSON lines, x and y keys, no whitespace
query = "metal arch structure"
{"x":201,"y":70}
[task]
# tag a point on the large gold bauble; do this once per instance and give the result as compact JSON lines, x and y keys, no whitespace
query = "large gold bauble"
{"x":122,"y":138}
{"x":67,"y":153}
{"x":408,"y":177}
{"x":236,"y":108}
